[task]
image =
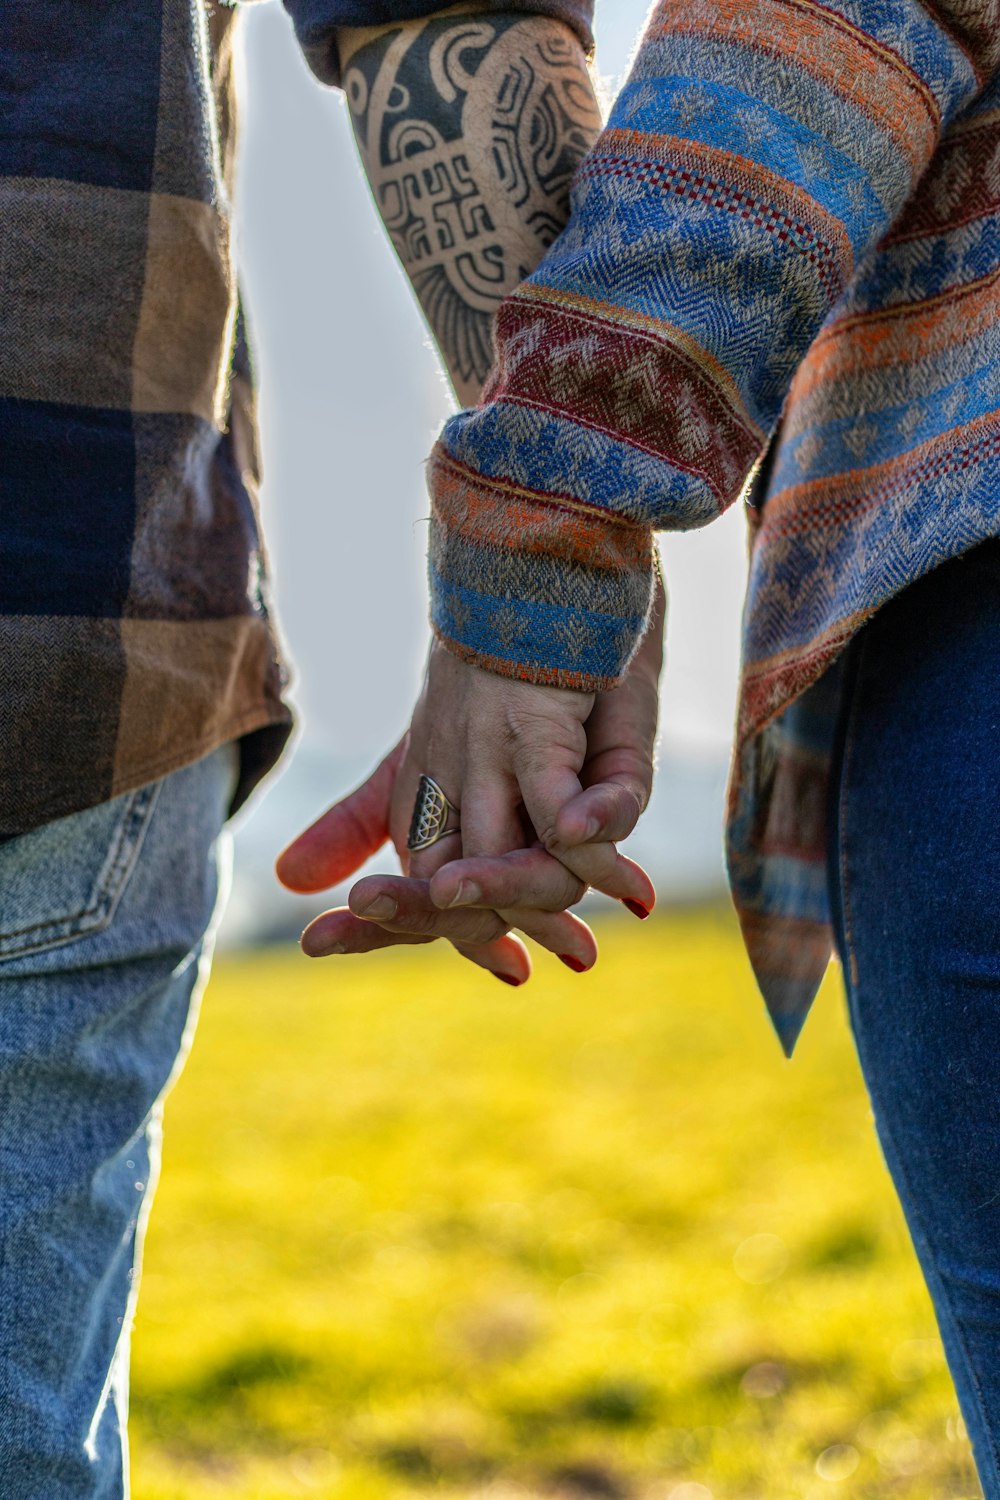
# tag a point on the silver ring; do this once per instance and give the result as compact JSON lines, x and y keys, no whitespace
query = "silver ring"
{"x":430,"y":816}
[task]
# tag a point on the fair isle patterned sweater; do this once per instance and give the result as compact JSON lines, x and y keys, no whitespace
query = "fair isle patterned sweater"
{"x":788,"y":234}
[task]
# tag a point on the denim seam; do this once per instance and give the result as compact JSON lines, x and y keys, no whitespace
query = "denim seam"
{"x":117,"y":866}
{"x":899,"y":1158}
{"x":102,"y":888}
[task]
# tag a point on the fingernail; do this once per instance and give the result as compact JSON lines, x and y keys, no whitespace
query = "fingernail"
{"x":468,"y":894}
{"x":509,"y":979}
{"x":636,"y":908}
{"x":573,"y":963}
{"x":379,"y":910}
{"x":328,"y":952}
{"x":592,"y":829}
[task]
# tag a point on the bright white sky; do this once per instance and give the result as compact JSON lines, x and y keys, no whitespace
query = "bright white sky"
{"x":351,"y":401}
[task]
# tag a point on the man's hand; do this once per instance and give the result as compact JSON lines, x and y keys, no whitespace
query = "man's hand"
{"x":584,"y":798}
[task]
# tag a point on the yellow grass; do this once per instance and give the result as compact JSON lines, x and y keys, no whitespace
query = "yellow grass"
{"x":419,"y":1233}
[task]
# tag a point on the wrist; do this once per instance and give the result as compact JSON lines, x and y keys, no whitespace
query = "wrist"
{"x":532,"y":587}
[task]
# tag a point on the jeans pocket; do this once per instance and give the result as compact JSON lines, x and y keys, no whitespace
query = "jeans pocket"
{"x":64,"y":880}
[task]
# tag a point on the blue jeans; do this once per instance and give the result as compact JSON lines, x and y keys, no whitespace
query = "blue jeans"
{"x":915,"y":876}
{"x":105,"y":935}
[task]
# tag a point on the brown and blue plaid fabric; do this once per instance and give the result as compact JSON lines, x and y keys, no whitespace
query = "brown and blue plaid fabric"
{"x":134,"y":629}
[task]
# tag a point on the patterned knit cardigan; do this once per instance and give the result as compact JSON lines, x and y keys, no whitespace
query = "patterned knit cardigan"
{"x":788,"y":233}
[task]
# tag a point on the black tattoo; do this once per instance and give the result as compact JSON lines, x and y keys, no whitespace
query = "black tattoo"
{"x":471,"y":129}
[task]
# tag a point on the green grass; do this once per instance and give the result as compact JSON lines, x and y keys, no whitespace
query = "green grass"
{"x":421,"y":1234}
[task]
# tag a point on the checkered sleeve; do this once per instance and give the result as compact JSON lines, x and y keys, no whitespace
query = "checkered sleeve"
{"x":316,"y":22}
{"x":752,"y":159}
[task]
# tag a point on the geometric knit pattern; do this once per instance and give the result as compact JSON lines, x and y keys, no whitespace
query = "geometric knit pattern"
{"x":780,"y":281}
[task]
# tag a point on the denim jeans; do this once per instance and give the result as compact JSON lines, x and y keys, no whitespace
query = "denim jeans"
{"x":105,"y":934}
{"x":915,"y":876}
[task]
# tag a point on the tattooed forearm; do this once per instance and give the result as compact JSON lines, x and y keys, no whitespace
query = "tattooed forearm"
{"x":470,"y":128}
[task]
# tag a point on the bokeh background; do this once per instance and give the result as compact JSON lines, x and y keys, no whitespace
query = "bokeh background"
{"x":421,"y":1235}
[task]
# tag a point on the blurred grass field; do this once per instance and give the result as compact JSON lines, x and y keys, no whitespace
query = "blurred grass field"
{"x":422,"y":1234}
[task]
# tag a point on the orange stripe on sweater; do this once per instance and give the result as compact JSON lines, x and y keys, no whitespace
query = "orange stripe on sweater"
{"x":491,"y":514}
{"x":901,"y":334}
{"x":782,"y":946}
{"x":771,"y":685}
{"x":826,"y":45}
{"x":836,"y":499}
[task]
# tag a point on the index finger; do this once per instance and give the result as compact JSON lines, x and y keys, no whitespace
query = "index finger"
{"x":523,"y":878}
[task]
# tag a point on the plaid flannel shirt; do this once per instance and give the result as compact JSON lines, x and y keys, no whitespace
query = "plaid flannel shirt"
{"x":134,"y":629}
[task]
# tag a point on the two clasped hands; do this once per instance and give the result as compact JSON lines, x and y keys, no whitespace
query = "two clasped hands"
{"x":545,"y":782}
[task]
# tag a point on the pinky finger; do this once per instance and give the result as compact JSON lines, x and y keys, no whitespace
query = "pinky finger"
{"x":564,"y":934}
{"x":340,"y":931}
{"x":506,"y":959}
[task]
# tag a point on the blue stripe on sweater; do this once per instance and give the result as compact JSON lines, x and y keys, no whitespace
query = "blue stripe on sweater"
{"x":794,"y":94}
{"x":556,"y":456}
{"x":571,"y":640}
{"x":726,"y":118}
{"x":857,"y":442}
{"x":915,"y":36}
{"x":721,"y":280}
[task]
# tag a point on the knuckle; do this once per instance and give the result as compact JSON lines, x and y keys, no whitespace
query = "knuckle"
{"x":498,"y":893}
{"x":549,"y":839}
{"x":535,"y":733}
{"x":420,"y":923}
{"x":488,"y":927}
{"x":521,"y":724}
{"x":589,"y":864}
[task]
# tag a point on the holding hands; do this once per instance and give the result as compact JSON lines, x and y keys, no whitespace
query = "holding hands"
{"x":542,"y":783}
{"x":537,"y":785}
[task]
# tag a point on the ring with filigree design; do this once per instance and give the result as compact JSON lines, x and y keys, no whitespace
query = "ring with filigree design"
{"x":431,"y":812}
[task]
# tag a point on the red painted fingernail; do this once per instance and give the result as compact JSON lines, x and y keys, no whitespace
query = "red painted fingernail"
{"x":573,"y":963}
{"x":636,"y":908}
{"x":509,"y":979}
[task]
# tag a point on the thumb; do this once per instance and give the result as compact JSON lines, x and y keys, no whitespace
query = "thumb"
{"x":607,"y":811}
{"x":347,"y":834}
{"x":546,"y":761}
{"x":548,"y":780}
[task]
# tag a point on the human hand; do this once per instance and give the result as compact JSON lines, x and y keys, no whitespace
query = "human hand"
{"x":500,"y":877}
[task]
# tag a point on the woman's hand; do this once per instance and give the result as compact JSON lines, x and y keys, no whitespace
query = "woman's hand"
{"x":587,"y":773}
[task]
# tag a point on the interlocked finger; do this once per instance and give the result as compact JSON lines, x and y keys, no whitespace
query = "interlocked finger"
{"x":340,"y":932}
{"x":614,"y":874}
{"x":525,"y":879}
{"x":399,"y":904}
{"x":560,"y":932}
{"x":403,"y":905}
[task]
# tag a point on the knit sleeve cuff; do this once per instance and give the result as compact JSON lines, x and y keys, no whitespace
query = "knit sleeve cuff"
{"x":535,"y":586}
